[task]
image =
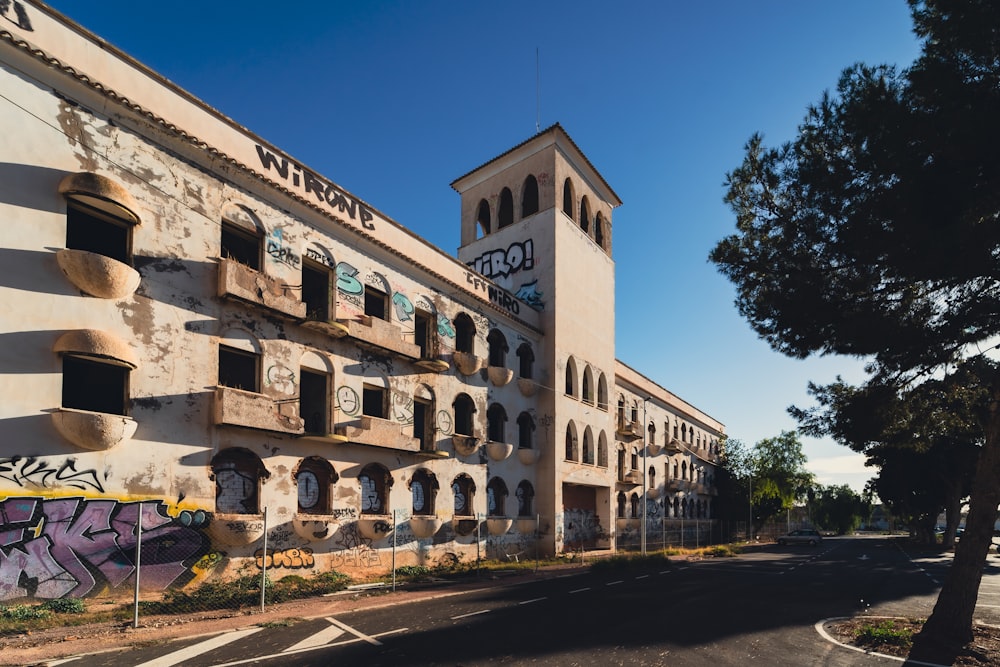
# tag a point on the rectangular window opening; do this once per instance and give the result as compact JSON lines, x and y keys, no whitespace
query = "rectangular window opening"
{"x":94,"y":231}
{"x":313,"y":400}
{"x":373,"y":401}
{"x":316,"y":291}
{"x":238,"y":369}
{"x":94,"y":386}
{"x":421,"y":431}
{"x":422,"y":334}
{"x":240,"y":245}
{"x":376,"y":303}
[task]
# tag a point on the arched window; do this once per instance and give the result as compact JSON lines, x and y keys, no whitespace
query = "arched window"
{"x":599,"y":230}
{"x":465,"y":333}
{"x":677,"y":507}
{"x":424,"y":409}
{"x":651,"y":434}
{"x":652,"y":477}
{"x":571,"y":453}
{"x":423,"y":492}
{"x":634,"y":460}
{"x":525,"y":431}
{"x":496,"y":421}
{"x":588,"y":446}
{"x":587,"y":391}
{"x":634,"y":419}
{"x":684,"y":470}
{"x":465,"y":490}
{"x":621,"y":412}
{"x":375,"y":482}
{"x":568,"y":198}
{"x":496,"y":497}
{"x":465,"y":409}
{"x":505,"y":216}
{"x":602,"y":392}
{"x":571,"y":377}
{"x":602,"y":450}
{"x":237,"y":473}
{"x":584,"y":215}
{"x":498,"y":348}
{"x":684,"y":433}
{"x":483,"y":218}
{"x":529,"y":197}
{"x":621,"y":463}
{"x":622,"y":504}
{"x":525,"y":496}
{"x":634,"y":502}
{"x":675,"y":469}
{"x":313,"y":480}
{"x":526,"y":366}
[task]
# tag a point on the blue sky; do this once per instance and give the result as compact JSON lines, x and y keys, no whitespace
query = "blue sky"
{"x":393,"y":100}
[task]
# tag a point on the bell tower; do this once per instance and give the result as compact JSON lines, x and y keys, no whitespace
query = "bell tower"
{"x":536,"y":220}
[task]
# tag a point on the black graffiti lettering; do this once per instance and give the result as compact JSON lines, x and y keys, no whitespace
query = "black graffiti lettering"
{"x":268,"y":161}
{"x":366,"y":218}
{"x":501,"y":263}
{"x":314,"y":185}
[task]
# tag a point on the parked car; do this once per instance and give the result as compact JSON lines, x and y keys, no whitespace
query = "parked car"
{"x":804,"y":536}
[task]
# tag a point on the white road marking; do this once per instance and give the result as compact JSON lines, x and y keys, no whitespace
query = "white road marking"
{"x":359,"y":635}
{"x":195,"y":650}
{"x":579,"y":590}
{"x":472,"y":613}
{"x":259,"y":658}
{"x":613,"y":583}
{"x":321,"y":638}
{"x":645,"y":576}
{"x":533,"y":600}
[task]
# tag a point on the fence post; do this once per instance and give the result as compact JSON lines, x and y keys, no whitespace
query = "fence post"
{"x":138,"y":556}
{"x":263,"y":568}
{"x":394,"y":522}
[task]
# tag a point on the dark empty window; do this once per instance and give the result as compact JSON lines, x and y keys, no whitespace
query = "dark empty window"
{"x":313,"y":399}
{"x":423,"y":414}
{"x":529,"y":197}
{"x":568,"y":197}
{"x":465,"y":490}
{"x":496,"y":497}
{"x":464,"y":410}
{"x":424,"y":334}
{"x":525,"y":494}
{"x":465,"y":333}
{"x":599,"y":230}
{"x":527,"y":361}
{"x":238,"y":369}
{"x":483,"y":216}
{"x":316,"y":291}
{"x":584,"y":215}
{"x":375,"y":482}
{"x":241,"y":245}
{"x":94,"y":386}
{"x":373,"y":401}
{"x":376,"y":303}
{"x":496,"y":419}
{"x":505,"y":216}
{"x":525,"y":427}
{"x":94,"y":231}
{"x":498,"y":349}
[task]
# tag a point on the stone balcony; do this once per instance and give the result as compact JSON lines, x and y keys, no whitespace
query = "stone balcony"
{"x":378,"y":432}
{"x":235,"y":407}
{"x":382,"y":335}
{"x":238,"y":281}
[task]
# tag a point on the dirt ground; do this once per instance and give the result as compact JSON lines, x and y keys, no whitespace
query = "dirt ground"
{"x":984,"y":651}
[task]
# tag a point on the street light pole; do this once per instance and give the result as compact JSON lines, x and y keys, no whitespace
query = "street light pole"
{"x":645,"y":508}
{"x":750,"y":498}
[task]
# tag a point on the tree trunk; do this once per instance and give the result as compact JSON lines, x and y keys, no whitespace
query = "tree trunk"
{"x":950,"y":624}
{"x":952,"y":513}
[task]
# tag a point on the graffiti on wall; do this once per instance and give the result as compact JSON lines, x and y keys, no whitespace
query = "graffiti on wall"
{"x":353,"y":549}
{"x":16,"y":14}
{"x":580,"y":527}
{"x":528,"y":293}
{"x":281,"y":378}
{"x":73,"y":547}
{"x":500,"y":262}
{"x":312,"y":187}
{"x":292,"y":559}
{"x":32,"y":471}
{"x":280,"y":252}
{"x":498,"y":296}
{"x":348,"y":401}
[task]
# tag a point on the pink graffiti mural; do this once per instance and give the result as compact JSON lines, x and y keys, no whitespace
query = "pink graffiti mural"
{"x":73,"y":547}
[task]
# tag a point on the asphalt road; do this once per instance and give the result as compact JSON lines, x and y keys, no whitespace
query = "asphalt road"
{"x":759,"y":608}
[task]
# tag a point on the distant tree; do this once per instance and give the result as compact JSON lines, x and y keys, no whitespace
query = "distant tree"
{"x":837,"y":508}
{"x":925,"y":441}
{"x":876,"y":233}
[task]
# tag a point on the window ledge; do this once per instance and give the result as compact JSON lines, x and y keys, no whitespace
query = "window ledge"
{"x":235,"y":407}
{"x":236,"y":530}
{"x":239,"y":281}
{"x":436,"y":365}
{"x":499,"y":375}
{"x":98,"y":275}
{"x":528,"y":456}
{"x":314,"y":527}
{"x":464,"y":525}
{"x":498,"y":525}
{"x":633,"y":477}
{"x":423,"y":527}
{"x":96,"y":431}
{"x":628,"y":431}
{"x":375,"y":527}
{"x":654,"y":448}
{"x":378,"y":432}
{"x":498,"y":451}
{"x":527,"y":386}
{"x":331,"y":329}
{"x":466,"y":362}
{"x":380,"y":334}
{"x":465,"y":445}
{"x":527,"y":525}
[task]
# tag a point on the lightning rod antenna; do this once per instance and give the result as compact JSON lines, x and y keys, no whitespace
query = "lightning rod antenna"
{"x":538,"y":104}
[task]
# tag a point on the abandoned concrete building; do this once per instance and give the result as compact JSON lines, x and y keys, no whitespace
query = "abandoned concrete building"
{"x":203,"y":335}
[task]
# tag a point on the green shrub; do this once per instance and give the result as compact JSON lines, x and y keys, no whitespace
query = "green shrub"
{"x":413,"y":571}
{"x":65,"y":605}
{"x":884,"y":633}
{"x":24,"y":612}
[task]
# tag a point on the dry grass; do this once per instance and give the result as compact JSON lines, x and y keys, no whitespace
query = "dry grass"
{"x":888,"y":636}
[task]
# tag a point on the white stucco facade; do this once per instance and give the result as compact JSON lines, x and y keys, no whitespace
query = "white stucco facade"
{"x":202,"y":331}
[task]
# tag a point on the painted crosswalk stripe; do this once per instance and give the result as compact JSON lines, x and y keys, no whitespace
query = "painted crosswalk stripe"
{"x":177,"y":657}
{"x":321,"y":638}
